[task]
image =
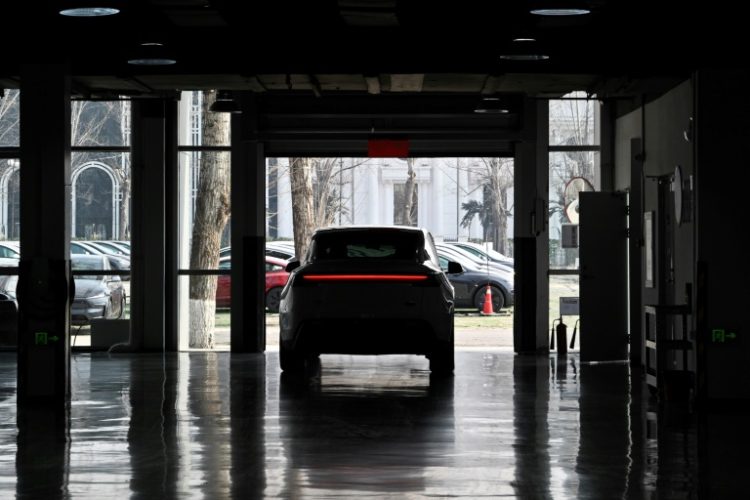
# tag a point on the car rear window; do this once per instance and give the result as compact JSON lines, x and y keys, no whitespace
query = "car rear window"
{"x":385,"y":245}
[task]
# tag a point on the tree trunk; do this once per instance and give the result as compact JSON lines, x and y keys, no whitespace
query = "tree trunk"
{"x":300,"y":176}
{"x":212,"y":210}
{"x":125,"y":207}
{"x":411,"y":182}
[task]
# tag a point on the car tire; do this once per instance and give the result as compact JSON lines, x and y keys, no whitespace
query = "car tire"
{"x":273,"y":299}
{"x":442,"y":359}
{"x":498,"y":299}
{"x":291,"y":361}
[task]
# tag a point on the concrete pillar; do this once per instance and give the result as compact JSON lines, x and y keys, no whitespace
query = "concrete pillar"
{"x":44,"y":286}
{"x":531,"y":238}
{"x":147,"y":257}
{"x":248,"y":329}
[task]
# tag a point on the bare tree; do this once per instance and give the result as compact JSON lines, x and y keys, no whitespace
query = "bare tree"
{"x":9,"y":118}
{"x":303,"y":218}
{"x":212,"y":210}
{"x":496,"y":179}
{"x":409,"y":193}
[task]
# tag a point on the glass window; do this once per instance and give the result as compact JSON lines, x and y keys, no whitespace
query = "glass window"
{"x":204,"y":208}
{"x":404,"y":210}
{"x":101,"y":195}
{"x":570,"y":173}
{"x":10,"y":200}
{"x":197,"y":123}
{"x":386,"y":245}
{"x":10,"y":118}
{"x":100,"y":123}
{"x":574,"y":121}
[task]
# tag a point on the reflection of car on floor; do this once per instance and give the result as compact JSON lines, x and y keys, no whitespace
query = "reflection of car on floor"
{"x":276,"y":277}
{"x":96,"y":296}
{"x":368,"y":290}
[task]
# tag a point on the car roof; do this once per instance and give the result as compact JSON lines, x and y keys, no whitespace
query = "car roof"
{"x":374,"y":228}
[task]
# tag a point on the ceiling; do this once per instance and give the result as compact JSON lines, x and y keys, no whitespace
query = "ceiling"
{"x":622,"y":48}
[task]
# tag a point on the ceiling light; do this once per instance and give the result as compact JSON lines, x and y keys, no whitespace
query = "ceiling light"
{"x":225,"y":103}
{"x":559,"y":11}
{"x":151,"y":61}
{"x":89,"y":12}
{"x":525,"y":57}
{"x":524,"y":39}
{"x":491,"y":105}
{"x":151,"y":54}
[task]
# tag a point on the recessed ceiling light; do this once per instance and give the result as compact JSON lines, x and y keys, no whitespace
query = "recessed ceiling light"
{"x":152,"y":61}
{"x":497,"y":111}
{"x":152,"y":44}
{"x":524,"y":57}
{"x":560,"y":12}
{"x":89,"y":12}
{"x":524,"y":39}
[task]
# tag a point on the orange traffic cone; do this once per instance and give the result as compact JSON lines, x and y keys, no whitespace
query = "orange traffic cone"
{"x":487,"y":307}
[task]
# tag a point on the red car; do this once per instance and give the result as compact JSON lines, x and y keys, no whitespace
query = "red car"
{"x":276,"y":277}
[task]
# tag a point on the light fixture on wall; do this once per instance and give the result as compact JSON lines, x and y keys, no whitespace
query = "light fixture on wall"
{"x":225,"y":103}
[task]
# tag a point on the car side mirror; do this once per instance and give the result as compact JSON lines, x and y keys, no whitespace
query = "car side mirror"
{"x":292,"y":265}
{"x":455,"y":268}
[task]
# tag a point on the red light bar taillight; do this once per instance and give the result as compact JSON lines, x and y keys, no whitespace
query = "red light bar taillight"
{"x":365,"y":277}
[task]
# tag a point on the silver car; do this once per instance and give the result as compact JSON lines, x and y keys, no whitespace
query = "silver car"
{"x":368,"y":290}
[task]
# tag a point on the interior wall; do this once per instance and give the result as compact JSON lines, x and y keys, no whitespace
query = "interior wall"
{"x":661,"y":124}
{"x":628,"y":127}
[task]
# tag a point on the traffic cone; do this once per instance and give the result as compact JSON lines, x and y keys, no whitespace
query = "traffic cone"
{"x":487,"y":307}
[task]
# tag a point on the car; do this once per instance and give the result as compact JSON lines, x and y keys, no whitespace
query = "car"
{"x":276,"y":276}
{"x":97,"y":296}
{"x":471,"y":282}
{"x":367,"y":290}
{"x":280,"y":249}
{"x":9,"y":250}
{"x":483,"y":252}
{"x":463,"y":255}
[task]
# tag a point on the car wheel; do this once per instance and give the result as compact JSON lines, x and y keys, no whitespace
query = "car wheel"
{"x":442,"y":359}
{"x":273,"y":299}
{"x":498,"y":299}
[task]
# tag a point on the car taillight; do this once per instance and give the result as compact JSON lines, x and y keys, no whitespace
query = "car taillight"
{"x":365,"y":277}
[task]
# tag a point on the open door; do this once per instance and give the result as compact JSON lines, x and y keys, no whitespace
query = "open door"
{"x":603,"y":261}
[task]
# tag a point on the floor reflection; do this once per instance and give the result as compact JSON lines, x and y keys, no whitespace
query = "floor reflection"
{"x":217,"y":425}
{"x":360,"y":426}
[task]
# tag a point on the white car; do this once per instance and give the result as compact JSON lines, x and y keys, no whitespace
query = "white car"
{"x":368,"y":290}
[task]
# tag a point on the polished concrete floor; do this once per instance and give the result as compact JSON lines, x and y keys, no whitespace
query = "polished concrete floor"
{"x":216,"y":425}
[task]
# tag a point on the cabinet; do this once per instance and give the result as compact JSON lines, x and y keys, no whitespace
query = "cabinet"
{"x":666,"y":351}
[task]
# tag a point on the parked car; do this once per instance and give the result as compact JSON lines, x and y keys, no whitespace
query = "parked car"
{"x":9,"y":250}
{"x":471,"y":283}
{"x":96,"y":296}
{"x":482,"y":252}
{"x":280,"y":249}
{"x":276,"y":276}
{"x":368,"y":290}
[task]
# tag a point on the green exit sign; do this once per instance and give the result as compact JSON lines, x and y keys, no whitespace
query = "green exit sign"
{"x":720,"y":335}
